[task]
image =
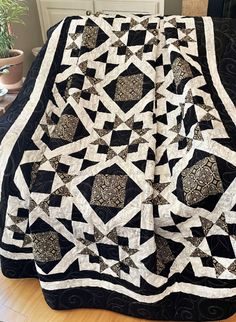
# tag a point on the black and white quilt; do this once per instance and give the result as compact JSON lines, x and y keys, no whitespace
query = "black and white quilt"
{"x":118,"y":168}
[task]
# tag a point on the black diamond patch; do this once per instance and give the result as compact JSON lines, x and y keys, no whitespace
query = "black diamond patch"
{"x":136,"y":37}
{"x":108,"y":251}
{"x":220,"y":246}
{"x":119,"y":138}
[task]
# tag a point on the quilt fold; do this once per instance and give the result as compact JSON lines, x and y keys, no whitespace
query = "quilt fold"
{"x":118,"y":168}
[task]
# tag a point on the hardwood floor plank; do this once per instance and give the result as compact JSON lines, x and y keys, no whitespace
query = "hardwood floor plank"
{"x":7,"y":285}
{"x":18,"y":295}
{"x":37,"y":310}
{"x":8,"y":315}
{"x":95,"y":315}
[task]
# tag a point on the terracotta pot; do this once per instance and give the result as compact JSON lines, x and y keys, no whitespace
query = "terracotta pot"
{"x":13,"y":79}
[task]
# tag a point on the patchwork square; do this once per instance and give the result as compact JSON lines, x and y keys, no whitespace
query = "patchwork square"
{"x":55,"y":201}
{"x":46,"y":247}
{"x":181,"y":70}
{"x":22,"y":212}
{"x":220,"y":246}
{"x":66,"y":128}
{"x":119,"y":138}
{"x":136,"y":37}
{"x":201,"y":181}
{"x":64,"y":168}
{"x":108,"y":251}
{"x":109,"y":190}
{"x":129,"y":88}
{"x":90,"y":35}
{"x":47,"y":177}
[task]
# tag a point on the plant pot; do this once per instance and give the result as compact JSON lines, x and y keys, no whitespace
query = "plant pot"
{"x":13,"y":80}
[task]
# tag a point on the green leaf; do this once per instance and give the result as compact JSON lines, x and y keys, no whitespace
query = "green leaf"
{"x":11,"y":11}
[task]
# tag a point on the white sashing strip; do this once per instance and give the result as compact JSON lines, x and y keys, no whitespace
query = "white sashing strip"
{"x":16,"y":256}
{"x":17,"y":127}
{"x":212,"y":64}
{"x":186,"y":288}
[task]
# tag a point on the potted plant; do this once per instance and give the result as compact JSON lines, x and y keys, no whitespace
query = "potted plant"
{"x":11,"y":11}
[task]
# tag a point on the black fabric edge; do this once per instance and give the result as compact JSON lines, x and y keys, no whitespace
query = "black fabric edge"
{"x":18,"y":268}
{"x":175,"y":307}
{"x":225,"y":40}
{"x":210,"y":87}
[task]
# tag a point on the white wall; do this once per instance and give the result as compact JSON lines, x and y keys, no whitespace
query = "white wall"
{"x":29,"y":35}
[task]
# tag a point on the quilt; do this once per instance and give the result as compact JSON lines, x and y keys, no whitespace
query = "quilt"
{"x":118,"y":168}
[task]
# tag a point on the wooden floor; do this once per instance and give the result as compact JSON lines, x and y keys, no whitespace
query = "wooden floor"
{"x":22,"y":301}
